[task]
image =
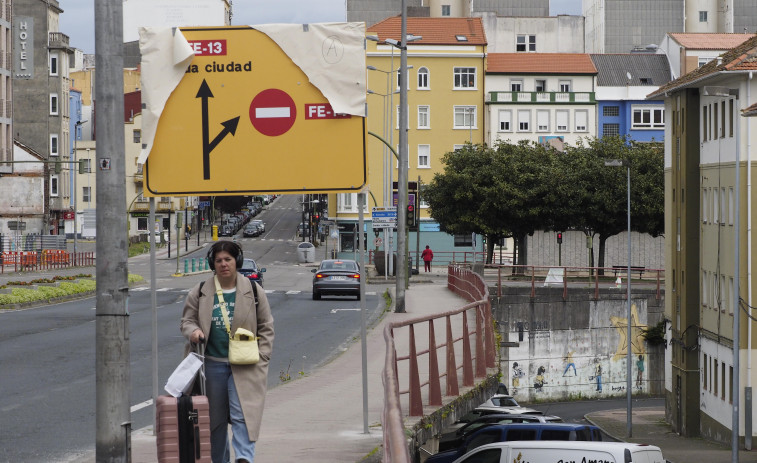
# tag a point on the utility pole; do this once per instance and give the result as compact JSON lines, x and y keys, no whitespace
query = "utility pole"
{"x":113,"y":425}
{"x":402,"y":175}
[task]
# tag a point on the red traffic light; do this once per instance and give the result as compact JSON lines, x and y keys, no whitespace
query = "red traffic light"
{"x":559,"y":237}
{"x":410,"y":208}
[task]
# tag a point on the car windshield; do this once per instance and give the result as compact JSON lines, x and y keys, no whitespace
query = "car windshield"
{"x":504,"y":402}
{"x":345,"y":265}
{"x":249,"y":264}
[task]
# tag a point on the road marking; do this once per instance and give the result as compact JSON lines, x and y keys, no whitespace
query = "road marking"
{"x":351,"y":310}
{"x":140,"y":406}
{"x":293,"y":292}
{"x":162,"y":290}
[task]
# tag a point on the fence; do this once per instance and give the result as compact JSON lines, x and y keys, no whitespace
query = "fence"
{"x":32,"y":261}
{"x":572,"y":276}
{"x":31,"y":242}
{"x":474,"y":362}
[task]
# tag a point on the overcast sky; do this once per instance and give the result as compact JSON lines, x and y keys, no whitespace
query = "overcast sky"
{"x":77,"y":20}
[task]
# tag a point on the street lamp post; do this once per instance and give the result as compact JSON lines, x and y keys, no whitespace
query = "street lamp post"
{"x":629,"y":354}
{"x":75,"y":173}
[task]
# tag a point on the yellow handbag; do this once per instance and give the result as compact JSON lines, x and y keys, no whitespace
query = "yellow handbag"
{"x":243,"y":346}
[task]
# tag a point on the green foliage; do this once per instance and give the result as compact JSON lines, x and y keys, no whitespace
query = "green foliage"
{"x":43,"y":293}
{"x":517,"y":189}
{"x":134,"y":278}
{"x":655,"y":335}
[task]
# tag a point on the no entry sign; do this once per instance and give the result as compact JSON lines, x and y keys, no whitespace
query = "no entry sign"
{"x":272,"y":112}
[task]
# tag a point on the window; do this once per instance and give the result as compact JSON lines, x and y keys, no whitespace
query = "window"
{"x":53,"y":63}
{"x":723,"y":197}
{"x":465,"y":117}
{"x":541,"y":85}
{"x":704,"y":288}
{"x":423,"y":78}
{"x":423,"y":119}
{"x":505,"y":120}
{"x":730,"y":118}
{"x":648,"y":117}
{"x":561,"y":120}
{"x":730,"y":205}
{"x":516,"y":85}
{"x":86,"y":194}
{"x":564,"y":86}
{"x":704,"y":123}
{"x":715,"y":121}
{"x":87,"y":164}
{"x":542,"y":120}
{"x":137,"y":136}
{"x":730,"y":389}
{"x":722,"y":375}
{"x":704,"y":375}
{"x":346,"y":202}
{"x":445,"y":10}
{"x":715,"y":203}
{"x":705,"y":205}
{"x":463,"y":240}
{"x":715,"y":378}
{"x":524,"y":120}
{"x":54,"y":185}
{"x":702,"y":16}
{"x":465,"y":77}
{"x":424,"y":152}
{"x":53,"y":104}
{"x":702,"y":61}
{"x":610,"y":130}
{"x":142,"y":223}
{"x":525,"y":43}
{"x":611,"y":111}
{"x":54,"y":151}
{"x":722,"y":119}
{"x":582,"y":117}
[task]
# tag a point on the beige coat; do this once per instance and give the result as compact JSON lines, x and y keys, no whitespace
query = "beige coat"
{"x":250,"y":380}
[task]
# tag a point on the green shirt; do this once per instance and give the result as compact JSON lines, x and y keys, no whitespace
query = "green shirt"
{"x":218,"y":340}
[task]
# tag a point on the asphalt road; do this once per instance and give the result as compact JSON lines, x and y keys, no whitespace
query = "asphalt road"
{"x":47,"y":384}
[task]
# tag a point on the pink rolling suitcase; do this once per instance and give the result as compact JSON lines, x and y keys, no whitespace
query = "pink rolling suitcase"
{"x":182,"y":426}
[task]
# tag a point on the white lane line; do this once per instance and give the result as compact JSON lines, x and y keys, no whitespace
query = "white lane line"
{"x":140,"y":406}
{"x":162,"y":290}
{"x":293,"y":292}
{"x":338,"y":310}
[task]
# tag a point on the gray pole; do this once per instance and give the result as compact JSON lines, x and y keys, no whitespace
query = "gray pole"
{"x":402,"y":174}
{"x":628,"y":310}
{"x":113,"y":426}
{"x":154,"y":305}
{"x":736,"y":289}
{"x":364,"y":347}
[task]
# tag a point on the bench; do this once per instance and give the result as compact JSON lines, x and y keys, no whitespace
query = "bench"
{"x":624,"y":268}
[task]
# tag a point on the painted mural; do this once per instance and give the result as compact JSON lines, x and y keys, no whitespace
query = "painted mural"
{"x":551,"y":364}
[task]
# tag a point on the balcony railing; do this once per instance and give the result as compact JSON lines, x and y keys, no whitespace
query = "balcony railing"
{"x":58,"y":40}
{"x":540,"y":97}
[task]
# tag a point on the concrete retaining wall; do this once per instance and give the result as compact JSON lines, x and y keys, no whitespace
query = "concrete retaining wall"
{"x":555,"y":349}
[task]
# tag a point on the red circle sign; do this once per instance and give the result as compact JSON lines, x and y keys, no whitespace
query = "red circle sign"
{"x":272,"y":112}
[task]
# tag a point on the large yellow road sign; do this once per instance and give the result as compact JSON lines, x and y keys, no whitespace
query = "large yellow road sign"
{"x":244,"y":119}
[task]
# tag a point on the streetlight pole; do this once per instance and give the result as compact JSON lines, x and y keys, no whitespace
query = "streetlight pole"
{"x":401,"y":272}
{"x":77,"y":127}
{"x":629,"y":353}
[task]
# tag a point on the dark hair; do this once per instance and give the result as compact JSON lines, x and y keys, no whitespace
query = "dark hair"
{"x":229,"y":246}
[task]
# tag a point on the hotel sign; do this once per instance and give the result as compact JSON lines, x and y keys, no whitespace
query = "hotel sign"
{"x":23,"y":47}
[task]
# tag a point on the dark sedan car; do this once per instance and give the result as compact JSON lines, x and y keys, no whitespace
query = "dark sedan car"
{"x":336,"y":277}
{"x":251,"y":270}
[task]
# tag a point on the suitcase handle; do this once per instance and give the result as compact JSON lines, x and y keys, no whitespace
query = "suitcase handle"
{"x":199,"y":348}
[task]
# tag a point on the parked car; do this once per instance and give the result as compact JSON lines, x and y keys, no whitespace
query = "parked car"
{"x":533,"y":451}
{"x":507,"y":404}
{"x":455,"y":436}
{"x":251,"y":270}
{"x":518,"y":432}
{"x":226,"y":230}
{"x":336,"y":277}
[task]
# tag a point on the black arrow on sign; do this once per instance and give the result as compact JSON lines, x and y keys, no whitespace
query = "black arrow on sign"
{"x":229,"y":127}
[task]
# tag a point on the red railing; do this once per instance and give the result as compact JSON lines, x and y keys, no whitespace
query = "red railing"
{"x":32,"y":261}
{"x":576,"y":277}
{"x":474,"y":362}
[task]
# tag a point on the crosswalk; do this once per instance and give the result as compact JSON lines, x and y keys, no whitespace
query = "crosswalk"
{"x":267,"y":291}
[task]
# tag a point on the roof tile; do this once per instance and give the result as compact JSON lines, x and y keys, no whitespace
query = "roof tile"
{"x":435,"y":31}
{"x":703,"y":41}
{"x":540,"y":63}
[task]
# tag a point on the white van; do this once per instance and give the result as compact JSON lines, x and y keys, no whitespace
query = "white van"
{"x":563,"y":452}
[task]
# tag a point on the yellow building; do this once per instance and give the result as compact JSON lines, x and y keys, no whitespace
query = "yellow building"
{"x":446,"y":67}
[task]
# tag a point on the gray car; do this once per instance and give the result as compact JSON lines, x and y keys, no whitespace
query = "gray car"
{"x":338,"y":277}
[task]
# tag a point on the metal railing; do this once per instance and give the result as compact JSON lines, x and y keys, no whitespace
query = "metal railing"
{"x":474,"y":362}
{"x":576,"y":277}
{"x":33,"y":261}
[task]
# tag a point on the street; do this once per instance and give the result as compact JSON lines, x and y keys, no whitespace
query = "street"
{"x":47,"y":390}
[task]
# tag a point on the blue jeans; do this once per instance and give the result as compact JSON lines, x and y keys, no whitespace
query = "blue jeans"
{"x":224,"y":409}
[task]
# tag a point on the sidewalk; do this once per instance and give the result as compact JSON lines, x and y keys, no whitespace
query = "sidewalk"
{"x":319,"y":418}
{"x":649,"y":427}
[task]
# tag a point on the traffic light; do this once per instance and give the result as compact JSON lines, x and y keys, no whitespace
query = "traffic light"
{"x":410,"y":216}
{"x":559,"y":237}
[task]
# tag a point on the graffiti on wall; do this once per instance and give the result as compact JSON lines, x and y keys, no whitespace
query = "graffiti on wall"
{"x":637,"y":335}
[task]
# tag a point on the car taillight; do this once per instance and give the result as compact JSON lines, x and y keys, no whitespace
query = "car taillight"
{"x":253,"y":275}
{"x":356,"y":275}
{"x":319,"y":275}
